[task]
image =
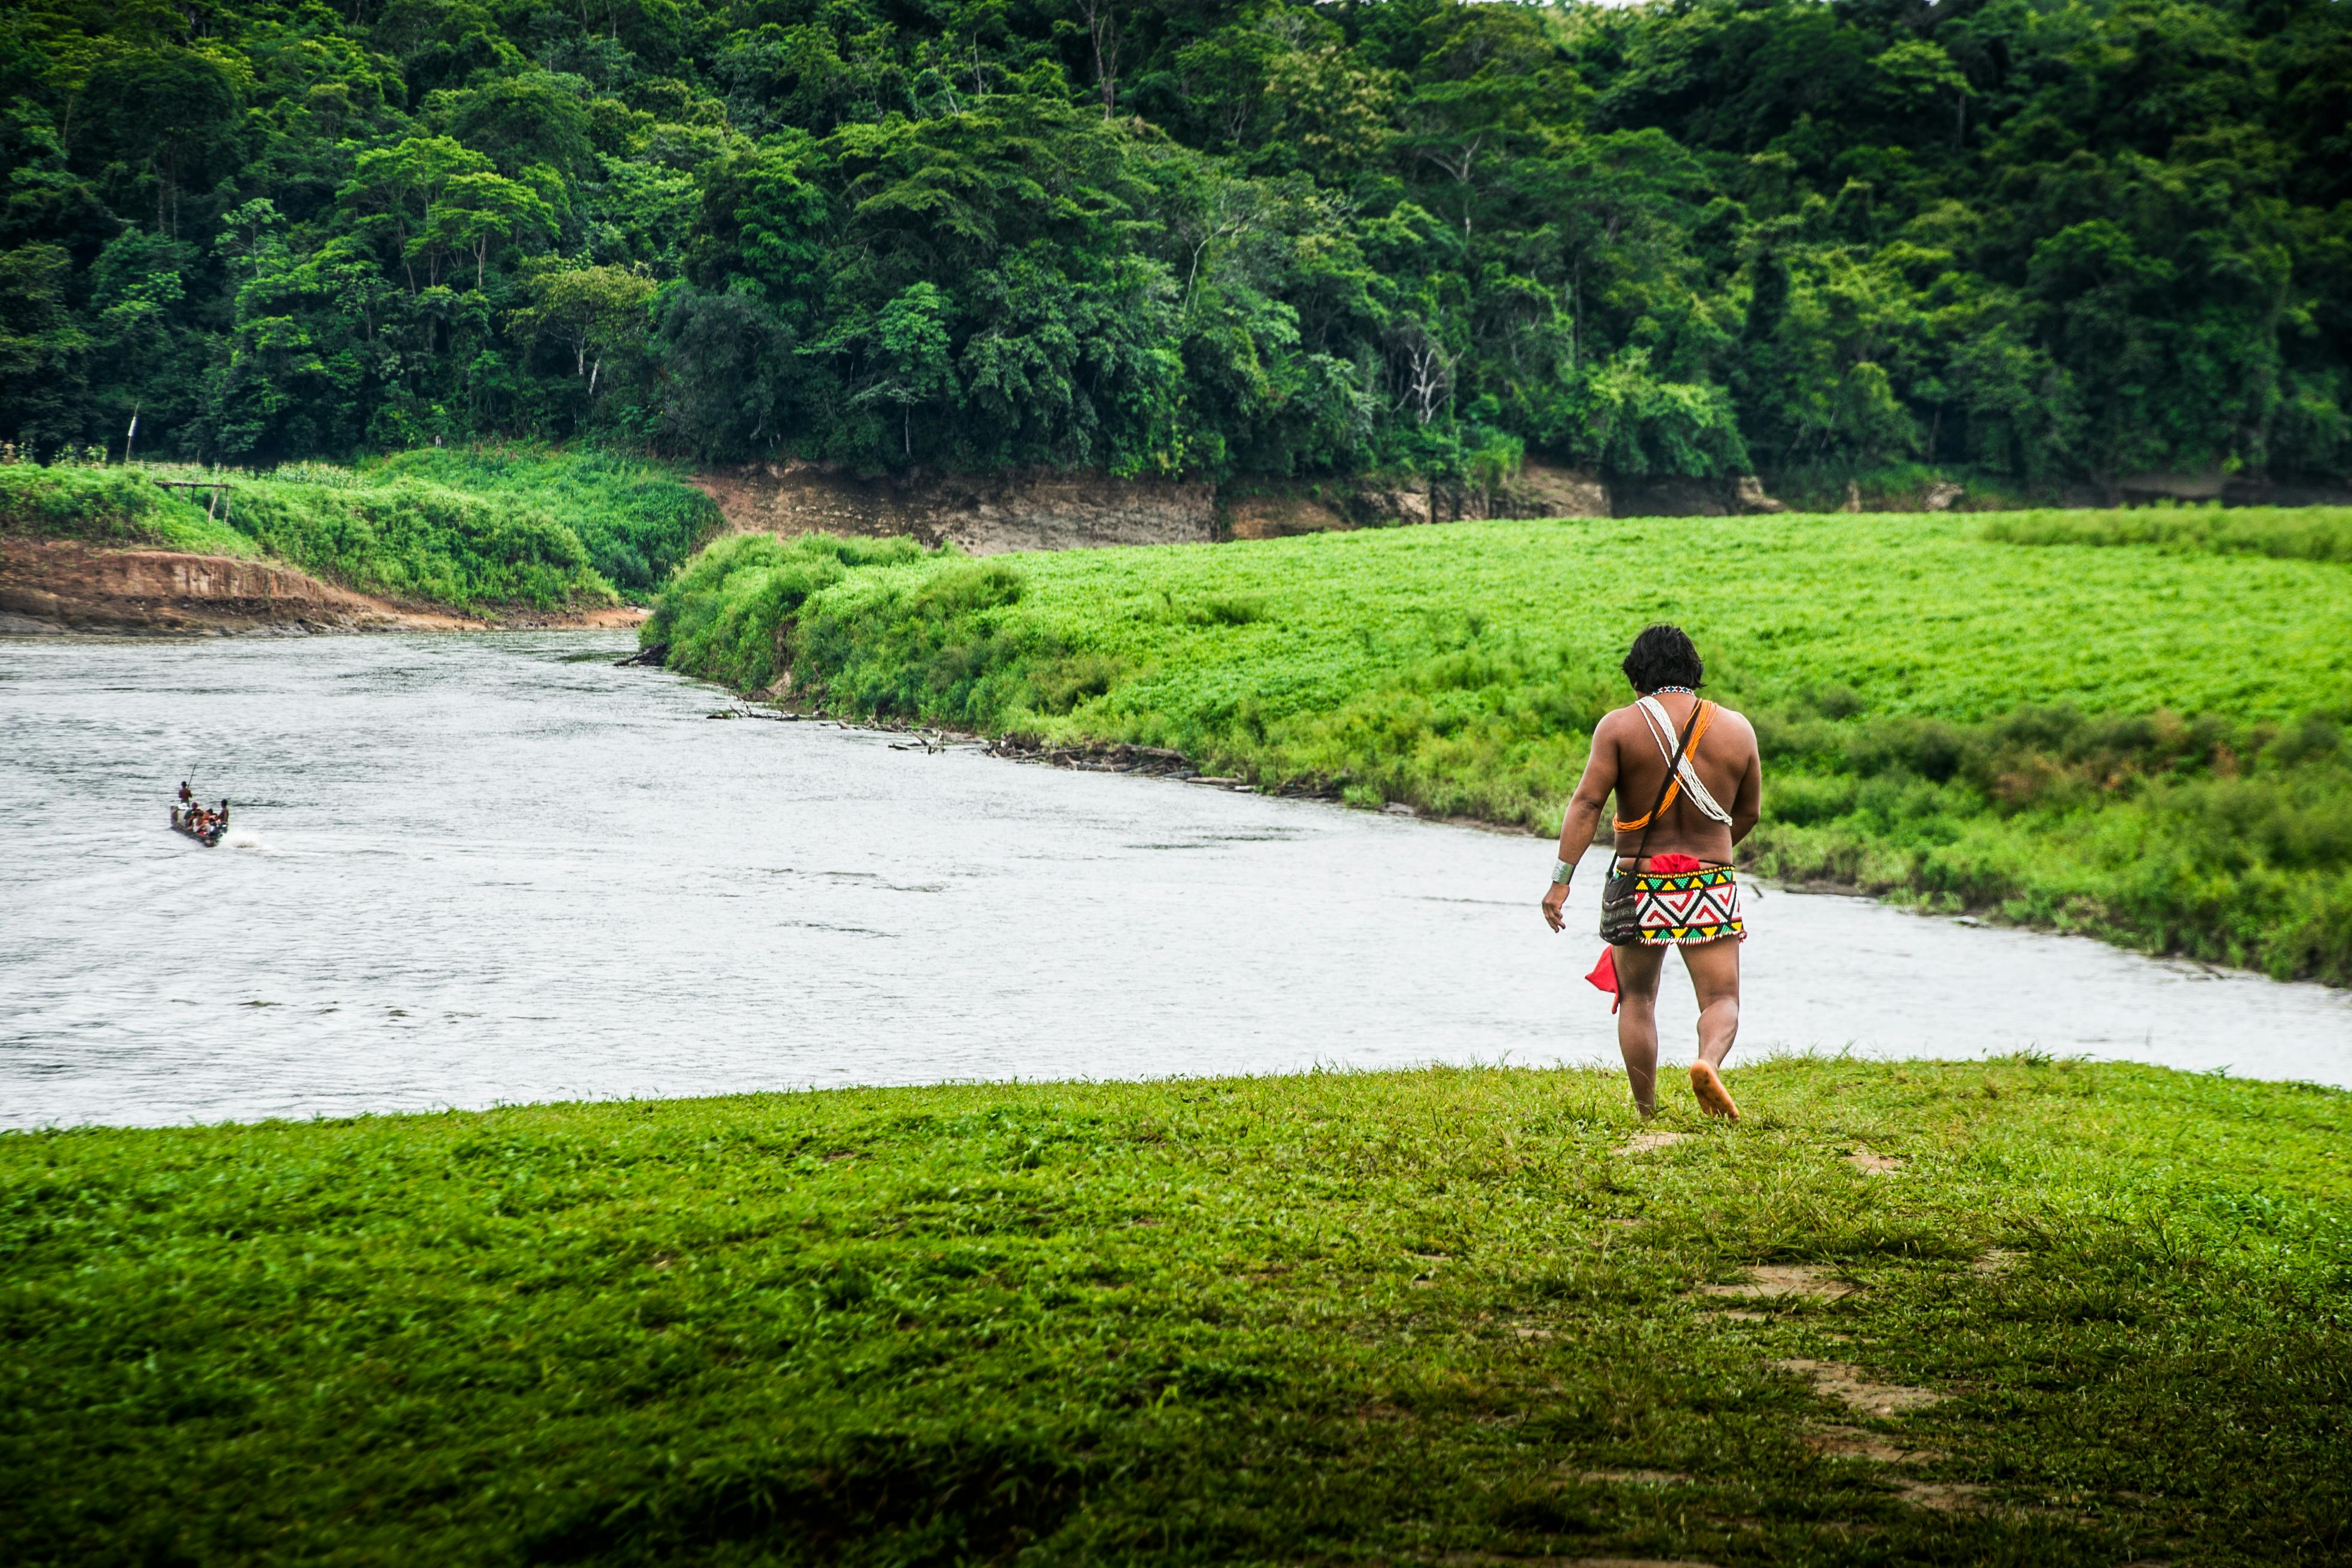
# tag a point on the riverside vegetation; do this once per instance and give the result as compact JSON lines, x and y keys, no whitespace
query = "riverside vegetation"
{"x":471,"y":530}
{"x":2127,"y":724}
{"x":2021,"y":1311}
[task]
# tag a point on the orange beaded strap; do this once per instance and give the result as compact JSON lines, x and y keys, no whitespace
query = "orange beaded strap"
{"x":1699,"y":721}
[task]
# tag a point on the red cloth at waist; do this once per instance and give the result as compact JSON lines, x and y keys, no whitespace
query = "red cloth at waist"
{"x":1604,"y":973}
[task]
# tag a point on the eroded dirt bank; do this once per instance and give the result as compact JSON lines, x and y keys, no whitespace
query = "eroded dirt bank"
{"x":982,"y":515}
{"x":50,"y":586}
{"x":1057,"y":511}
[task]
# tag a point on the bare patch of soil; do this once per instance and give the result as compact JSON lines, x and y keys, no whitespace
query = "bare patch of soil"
{"x":1941,"y":1497}
{"x":1871,"y":1164}
{"x":1642,"y":1143}
{"x":1997,"y":1261}
{"x":1847,"y":1385}
{"x":1775,"y":1279}
{"x":1856,"y":1442}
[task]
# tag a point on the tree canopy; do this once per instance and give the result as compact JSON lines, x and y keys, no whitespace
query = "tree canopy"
{"x":2046,"y":240}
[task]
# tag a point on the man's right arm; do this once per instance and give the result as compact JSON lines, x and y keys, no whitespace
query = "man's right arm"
{"x":1591,"y":797}
{"x":1584,"y":808}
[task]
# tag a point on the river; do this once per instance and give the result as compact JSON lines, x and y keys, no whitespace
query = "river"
{"x":481,"y":870}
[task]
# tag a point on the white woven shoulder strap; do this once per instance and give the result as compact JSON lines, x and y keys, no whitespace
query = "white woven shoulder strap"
{"x":1661,"y":730}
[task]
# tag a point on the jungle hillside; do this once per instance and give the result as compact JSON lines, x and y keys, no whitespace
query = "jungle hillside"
{"x":2041,"y":242}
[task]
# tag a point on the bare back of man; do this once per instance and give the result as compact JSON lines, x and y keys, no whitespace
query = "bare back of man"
{"x":1661,"y":830}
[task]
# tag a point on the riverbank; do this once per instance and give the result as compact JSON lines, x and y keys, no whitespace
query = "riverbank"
{"x":422,"y":540}
{"x":59,"y":587}
{"x":2083,"y":721}
{"x":2025,"y":1310}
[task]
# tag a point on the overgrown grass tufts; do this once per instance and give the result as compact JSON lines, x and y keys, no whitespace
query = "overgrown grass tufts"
{"x":108,"y":507}
{"x":411,"y":540}
{"x":638,"y":519}
{"x":1449,"y":1315}
{"x":2295,"y":533}
{"x":470,"y":529}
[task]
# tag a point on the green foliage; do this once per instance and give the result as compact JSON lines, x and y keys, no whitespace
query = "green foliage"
{"x":1947,"y":718}
{"x":111,"y":506}
{"x":469,"y":531}
{"x":412,"y":540}
{"x":730,"y":614}
{"x":2318,"y":534}
{"x":638,"y":520}
{"x":1334,"y":1318}
{"x":2045,"y":245}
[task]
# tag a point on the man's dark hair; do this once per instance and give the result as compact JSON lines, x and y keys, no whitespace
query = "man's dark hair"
{"x":1663,"y":655}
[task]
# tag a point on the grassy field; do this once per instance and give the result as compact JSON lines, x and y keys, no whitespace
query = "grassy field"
{"x":471,"y":530}
{"x":2090,"y":724}
{"x":2021,"y":1311}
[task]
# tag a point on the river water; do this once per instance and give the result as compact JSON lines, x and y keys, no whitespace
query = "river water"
{"x":478,"y":869}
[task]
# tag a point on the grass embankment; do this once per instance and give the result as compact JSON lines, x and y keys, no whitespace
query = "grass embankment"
{"x":472,"y":530}
{"x":2141,"y":741}
{"x":2080,"y":1314}
{"x":113,"y":507}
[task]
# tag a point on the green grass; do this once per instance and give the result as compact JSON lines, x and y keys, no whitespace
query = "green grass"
{"x":1441,"y":1316}
{"x":425,"y":544}
{"x":638,"y":520}
{"x":108,"y":507}
{"x":2136,"y":742}
{"x":479,"y":531}
{"x":2307,"y":533}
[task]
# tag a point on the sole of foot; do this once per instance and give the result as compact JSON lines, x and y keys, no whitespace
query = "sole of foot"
{"x":1713,"y":1098}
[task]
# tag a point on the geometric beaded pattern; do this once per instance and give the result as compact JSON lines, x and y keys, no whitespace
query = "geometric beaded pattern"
{"x":1688,"y":907}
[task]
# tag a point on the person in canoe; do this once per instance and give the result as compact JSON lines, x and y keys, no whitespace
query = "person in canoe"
{"x":1689,"y":786}
{"x":198,"y":821}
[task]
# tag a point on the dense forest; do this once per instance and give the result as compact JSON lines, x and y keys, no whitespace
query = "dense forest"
{"x":2040,"y":241}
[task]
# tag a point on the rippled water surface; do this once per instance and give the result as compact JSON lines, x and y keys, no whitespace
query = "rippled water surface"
{"x":494,"y":868}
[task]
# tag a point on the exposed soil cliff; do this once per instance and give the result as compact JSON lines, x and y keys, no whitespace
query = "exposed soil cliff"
{"x":982,"y":514}
{"x":51,"y":586}
{"x":1065,"y":510}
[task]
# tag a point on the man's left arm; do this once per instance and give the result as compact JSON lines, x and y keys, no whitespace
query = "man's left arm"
{"x":1748,"y":803}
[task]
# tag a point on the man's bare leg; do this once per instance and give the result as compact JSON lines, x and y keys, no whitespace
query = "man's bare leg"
{"x":1714,"y":969}
{"x":1638,"y":969}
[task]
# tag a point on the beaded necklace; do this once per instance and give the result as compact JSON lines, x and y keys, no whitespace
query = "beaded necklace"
{"x":1683,"y":689}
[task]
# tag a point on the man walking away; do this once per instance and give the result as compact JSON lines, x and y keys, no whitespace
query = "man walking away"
{"x":1672,"y":760}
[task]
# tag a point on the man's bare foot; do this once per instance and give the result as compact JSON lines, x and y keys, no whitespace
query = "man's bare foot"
{"x":1713,"y":1098}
